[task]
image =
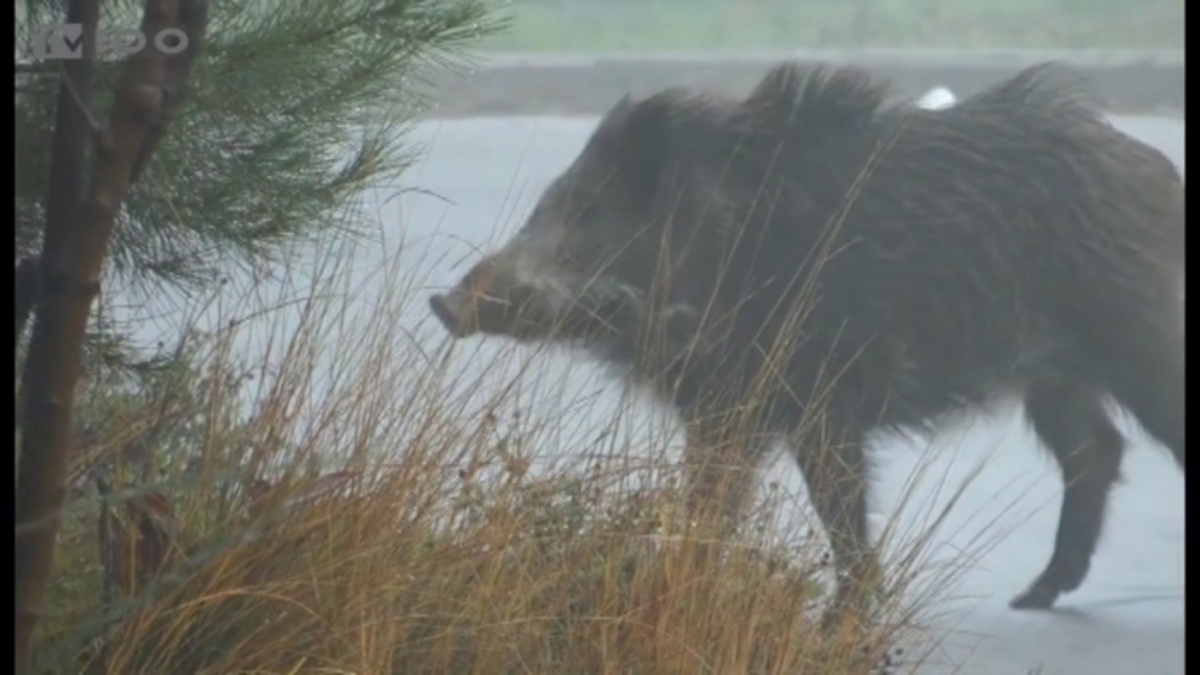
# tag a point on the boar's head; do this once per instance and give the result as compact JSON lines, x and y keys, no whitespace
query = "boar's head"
{"x":590,"y":255}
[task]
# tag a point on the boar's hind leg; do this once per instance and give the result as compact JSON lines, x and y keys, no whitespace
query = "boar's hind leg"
{"x":1071,"y":422}
{"x":835,"y":472}
{"x":1144,"y":361}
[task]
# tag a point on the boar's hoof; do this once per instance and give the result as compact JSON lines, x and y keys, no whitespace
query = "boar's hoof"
{"x":1041,"y":595}
{"x":452,"y":312}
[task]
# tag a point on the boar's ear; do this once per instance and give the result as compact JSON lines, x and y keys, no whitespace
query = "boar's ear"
{"x":622,"y":107}
{"x":642,"y":139}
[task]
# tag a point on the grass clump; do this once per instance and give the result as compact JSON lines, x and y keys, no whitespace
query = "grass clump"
{"x":356,"y":515}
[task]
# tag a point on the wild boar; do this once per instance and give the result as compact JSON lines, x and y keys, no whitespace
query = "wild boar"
{"x":814,"y":262}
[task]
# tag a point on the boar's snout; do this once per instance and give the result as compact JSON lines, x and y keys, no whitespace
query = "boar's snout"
{"x":455,"y":311}
{"x":488,"y":300}
{"x":459,"y":309}
{"x":465,"y":312}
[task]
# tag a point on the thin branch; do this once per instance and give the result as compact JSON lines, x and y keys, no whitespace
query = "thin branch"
{"x":193,"y":16}
{"x":25,"y":281}
{"x":74,"y":250}
{"x":82,"y":99}
{"x":68,"y":147}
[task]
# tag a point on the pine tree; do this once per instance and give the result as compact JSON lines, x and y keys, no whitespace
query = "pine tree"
{"x":295,"y":107}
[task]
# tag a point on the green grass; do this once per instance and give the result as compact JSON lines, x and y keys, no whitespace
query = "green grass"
{"x":629,"y":25}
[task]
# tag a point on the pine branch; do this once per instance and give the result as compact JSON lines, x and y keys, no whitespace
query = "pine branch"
{"x":292,"y":112}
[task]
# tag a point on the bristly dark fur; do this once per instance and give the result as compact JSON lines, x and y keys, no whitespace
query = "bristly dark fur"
{"x":816,"y":97}
{"x":840,"y":265}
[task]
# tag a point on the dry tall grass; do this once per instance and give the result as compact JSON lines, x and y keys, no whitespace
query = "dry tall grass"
{"x":424,"y":541}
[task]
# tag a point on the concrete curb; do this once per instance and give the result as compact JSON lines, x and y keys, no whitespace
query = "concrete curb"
{"x":569,"y":84}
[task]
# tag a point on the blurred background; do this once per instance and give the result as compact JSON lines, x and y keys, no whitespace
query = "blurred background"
{"x":590,"y":25}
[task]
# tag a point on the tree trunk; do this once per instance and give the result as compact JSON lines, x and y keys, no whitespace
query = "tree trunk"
{"x":75,"y":244}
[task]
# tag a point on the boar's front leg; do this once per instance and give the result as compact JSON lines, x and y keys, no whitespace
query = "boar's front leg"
{"x":835,"y":471}
{"x":720,"y":463}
